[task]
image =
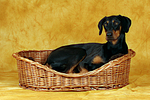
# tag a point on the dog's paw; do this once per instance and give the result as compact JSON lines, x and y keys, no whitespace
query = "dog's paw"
{"x":115,"y":56}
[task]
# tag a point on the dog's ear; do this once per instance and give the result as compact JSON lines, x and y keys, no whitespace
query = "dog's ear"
{"x":125,"y":23}
{"x":100,"y":24}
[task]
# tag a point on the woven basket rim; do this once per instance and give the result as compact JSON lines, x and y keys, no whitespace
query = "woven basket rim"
{"x":91,"y":73}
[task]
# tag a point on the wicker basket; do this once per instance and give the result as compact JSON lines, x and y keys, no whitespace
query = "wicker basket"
{"x":35,"y":76}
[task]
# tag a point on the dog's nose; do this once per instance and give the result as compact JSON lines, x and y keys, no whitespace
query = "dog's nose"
{"x":109,"y":34}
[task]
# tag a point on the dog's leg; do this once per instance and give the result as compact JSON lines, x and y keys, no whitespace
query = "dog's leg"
{"x":115,"y":56}
{"x":66,"y":59}
{"x":73,"y":67}
{"x":83,"y":70}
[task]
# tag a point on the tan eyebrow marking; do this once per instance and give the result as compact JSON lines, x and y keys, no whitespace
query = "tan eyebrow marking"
{"x":113,"y":21}
{"x":107,"y":21}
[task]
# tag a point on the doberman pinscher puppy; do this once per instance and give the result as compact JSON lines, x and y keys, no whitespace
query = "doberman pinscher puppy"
{"x":85,"y":57}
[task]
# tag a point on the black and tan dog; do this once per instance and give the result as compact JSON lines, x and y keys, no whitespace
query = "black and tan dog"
{"x":89,"y":56}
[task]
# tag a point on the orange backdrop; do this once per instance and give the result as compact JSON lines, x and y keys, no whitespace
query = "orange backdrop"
{"x":47,"y":24}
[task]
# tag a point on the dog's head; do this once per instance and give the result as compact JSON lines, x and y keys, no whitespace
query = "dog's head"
{"x":114,"y":26}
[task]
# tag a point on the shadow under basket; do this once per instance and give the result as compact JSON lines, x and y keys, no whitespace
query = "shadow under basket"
{"x":35,"y":76}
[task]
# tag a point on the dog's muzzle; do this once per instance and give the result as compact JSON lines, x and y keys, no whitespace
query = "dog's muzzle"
{"x":109,"y":36}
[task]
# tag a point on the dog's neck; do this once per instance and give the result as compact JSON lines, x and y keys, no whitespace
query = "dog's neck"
{"x":119,"y":47}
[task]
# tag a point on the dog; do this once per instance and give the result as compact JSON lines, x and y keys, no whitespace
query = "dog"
{"x":81,"y":58}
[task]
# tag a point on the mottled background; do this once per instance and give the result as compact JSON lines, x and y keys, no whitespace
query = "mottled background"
{"x":47,"y":24}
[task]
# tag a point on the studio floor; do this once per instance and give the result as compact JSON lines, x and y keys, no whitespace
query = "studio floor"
{"x":138,"y":89}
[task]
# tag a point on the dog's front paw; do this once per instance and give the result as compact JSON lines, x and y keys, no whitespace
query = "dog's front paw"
{"x":115,"y":56}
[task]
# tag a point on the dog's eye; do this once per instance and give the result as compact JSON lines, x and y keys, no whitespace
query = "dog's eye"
{"x":105,"y":24}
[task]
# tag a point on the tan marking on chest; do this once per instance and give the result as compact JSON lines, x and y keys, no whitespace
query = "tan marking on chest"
{"x":97,"y":60}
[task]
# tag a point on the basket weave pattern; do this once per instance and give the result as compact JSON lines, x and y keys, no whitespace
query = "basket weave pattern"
{"x":35,"y":76}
